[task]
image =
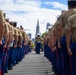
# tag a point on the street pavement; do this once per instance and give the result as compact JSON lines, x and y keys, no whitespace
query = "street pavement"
{"x":32,"y":64}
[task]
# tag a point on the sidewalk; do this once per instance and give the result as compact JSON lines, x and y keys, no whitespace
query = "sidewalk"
{"x":32,"y":64}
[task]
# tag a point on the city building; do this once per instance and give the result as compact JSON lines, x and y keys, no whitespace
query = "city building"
{"x":37,"y":28}
{"x":48,"y":26}
{"x":29,"y":35}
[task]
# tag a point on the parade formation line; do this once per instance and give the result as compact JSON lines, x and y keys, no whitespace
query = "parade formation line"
{"x":32,"y":64}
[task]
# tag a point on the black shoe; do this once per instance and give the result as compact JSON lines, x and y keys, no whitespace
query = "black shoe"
{"x":10,"y":68}
{"x":5,"y":71}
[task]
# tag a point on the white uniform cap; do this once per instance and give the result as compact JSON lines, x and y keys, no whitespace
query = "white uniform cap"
{"x":38,"y":34}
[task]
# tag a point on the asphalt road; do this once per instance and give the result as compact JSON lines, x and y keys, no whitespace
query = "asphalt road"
{"x":32,"y":64}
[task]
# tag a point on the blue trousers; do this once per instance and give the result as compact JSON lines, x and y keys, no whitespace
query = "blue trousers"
{"x":48,"y":52}
{"x":18,"y":54}
{"x":38,"y":46}
{"x":7,"y":60}
{"x":25,"y":50}
{"x":59,"y":61}
{"x":10,"y":58}
{"x":45,"y":50}
{"x":65,"y":57}
{"x":14,"y":55}
{"x":1,"y":58}
{"x":73,"y":58}
{"x":54,"y":61}
{"x":22,"y":52}
{"x":4,"y":59}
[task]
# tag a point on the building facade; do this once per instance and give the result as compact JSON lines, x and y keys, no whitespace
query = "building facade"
{"x":37,"y":28}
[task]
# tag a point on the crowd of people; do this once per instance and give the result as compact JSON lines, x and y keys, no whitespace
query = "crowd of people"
{"x":14,"y":43}
{"x":60,"y":42}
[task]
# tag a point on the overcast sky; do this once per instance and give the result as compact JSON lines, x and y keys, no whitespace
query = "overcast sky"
{"x":26,"y":12}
